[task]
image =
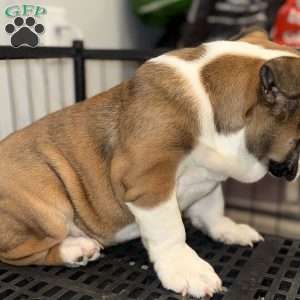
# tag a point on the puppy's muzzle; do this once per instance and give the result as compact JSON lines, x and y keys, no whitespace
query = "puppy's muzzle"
{"x":287,"y":169}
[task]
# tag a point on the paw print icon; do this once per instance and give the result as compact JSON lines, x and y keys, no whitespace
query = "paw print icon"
{"x":24,"y":32}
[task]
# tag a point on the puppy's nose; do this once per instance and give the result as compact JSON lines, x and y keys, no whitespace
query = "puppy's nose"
{"x":287,"y":169}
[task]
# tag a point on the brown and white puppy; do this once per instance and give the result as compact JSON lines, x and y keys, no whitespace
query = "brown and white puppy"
{"x":127,"y":162}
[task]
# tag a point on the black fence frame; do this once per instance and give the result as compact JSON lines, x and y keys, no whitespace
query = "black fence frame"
{"x":79,"y":54}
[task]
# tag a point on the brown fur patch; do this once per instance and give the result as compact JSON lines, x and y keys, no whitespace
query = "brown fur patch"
{"x":159,"y":126}
{"x":188,"y":54}
{"x":273,"y":138}
{"x":261,"y":38}
{"x":232,"y":91}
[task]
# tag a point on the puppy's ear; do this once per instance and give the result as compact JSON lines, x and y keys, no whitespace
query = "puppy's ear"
{"x":249,"y":33}
{"x":280,"y":85}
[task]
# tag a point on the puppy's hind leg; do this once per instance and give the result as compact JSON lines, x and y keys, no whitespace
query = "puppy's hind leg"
{"x":207,"y":214}
{"x":47,"y":239}
{"x":78,"y":251}
{"x":70,"y":251}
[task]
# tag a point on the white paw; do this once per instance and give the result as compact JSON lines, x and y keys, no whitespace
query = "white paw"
{"x":180,"y":269}
{"x":230,"y":233}
{"x":78,"y":251}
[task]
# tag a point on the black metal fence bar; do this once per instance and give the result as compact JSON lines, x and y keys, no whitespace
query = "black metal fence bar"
{"x":79,"y":71}
{"x":8,"y":52}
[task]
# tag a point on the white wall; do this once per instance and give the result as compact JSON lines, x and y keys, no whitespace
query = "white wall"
{"x":107,"y":23}
{"x":103,"y":23}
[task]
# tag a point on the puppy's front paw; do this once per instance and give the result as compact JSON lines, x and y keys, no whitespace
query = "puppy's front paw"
{"x":230,"y":233}
{"x":78,"y":251}
{"x":180,"y":269}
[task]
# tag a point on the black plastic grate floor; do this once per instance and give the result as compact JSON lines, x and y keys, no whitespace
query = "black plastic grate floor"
{"x":270,"y":271}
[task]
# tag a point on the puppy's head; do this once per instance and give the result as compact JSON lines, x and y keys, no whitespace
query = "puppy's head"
{"x":279,"y":95}
{"x":274,"y":119}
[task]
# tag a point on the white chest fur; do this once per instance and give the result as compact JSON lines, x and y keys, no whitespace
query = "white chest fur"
{"x":194,"y":182}
{"x":207,"y":166}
